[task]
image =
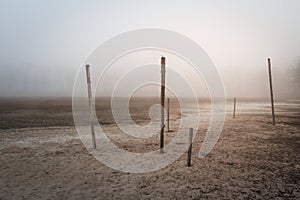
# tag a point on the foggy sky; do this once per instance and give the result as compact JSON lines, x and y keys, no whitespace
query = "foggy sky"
{"x":43,"y":43}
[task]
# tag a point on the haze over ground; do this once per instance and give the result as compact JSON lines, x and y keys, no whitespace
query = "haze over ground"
{"x":43,"y":43}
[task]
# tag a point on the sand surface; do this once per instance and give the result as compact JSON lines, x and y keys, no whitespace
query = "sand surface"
{"x":43,"y":158}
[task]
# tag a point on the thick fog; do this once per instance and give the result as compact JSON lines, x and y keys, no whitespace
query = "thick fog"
{"x":38,"y":81}
{"x":44,"y":43}
{"x":255,"y":83}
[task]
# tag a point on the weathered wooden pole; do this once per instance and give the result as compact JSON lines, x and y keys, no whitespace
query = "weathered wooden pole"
{"x":234,"y":106}
{"x":88,"y":78}
{"x":168,"y":115}
{"x":271,"y":90}
{"x":162,"y":103}
{"x":189,"y":157}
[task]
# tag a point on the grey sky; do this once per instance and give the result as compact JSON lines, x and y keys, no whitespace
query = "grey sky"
{"x":42,"y":43}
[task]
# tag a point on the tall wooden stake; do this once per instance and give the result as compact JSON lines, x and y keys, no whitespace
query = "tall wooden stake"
{"x":189,"y":158}
{"x":88,"y":78}
{"x":168,"y":116}
{"x":162,"y":103}
{"x":271,"y":91}
{"x":234,"y":106}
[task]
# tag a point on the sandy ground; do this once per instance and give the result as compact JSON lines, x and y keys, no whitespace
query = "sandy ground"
{"x":42,"y":157}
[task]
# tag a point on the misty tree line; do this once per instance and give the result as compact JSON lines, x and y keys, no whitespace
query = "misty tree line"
{"x":287,"y":82}
{"x":293,"y":79}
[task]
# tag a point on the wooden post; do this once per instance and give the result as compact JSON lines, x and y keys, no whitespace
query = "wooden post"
{"x":234,"y":105}
{"x":189,"y":158}
{"x":271,"y":90}
{"x":88,"y":78}
{"x":162,"y":103}
{"x":168,"y":116}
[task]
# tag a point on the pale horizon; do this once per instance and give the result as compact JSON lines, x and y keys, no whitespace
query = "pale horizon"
{"x":43,"y":44}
